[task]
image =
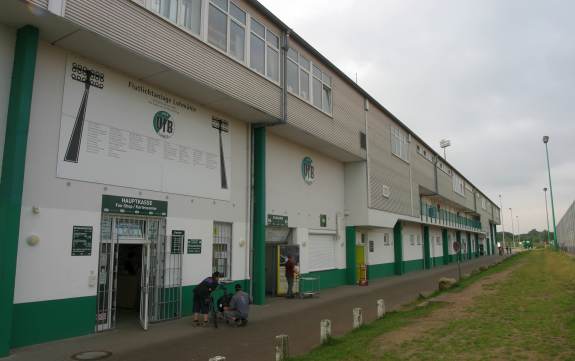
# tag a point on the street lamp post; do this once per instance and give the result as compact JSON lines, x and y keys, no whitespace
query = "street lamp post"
{"x":444,"y":143}
{"x":547,"y":216}
{"x":518,"y":232}
{"x":512,"y":227}
{"x":545,"y":141}
{"x":502,"y":225}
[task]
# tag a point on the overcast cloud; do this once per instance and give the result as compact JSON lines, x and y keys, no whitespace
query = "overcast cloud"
{"x":493,"y":76}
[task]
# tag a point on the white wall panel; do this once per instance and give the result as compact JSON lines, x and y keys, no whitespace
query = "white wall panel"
{"x":382,"y":253}
{"x":415,"y":251}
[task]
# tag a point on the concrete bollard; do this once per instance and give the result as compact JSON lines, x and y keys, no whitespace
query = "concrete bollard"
{"x":218,"y":358}
{"x":357,"y":317}
{"x":325,"y":331}
{"x":282,"y":347}
{"x":380,"y":308}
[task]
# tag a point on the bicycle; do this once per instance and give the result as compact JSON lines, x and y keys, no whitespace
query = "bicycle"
{"x":217,"y":306}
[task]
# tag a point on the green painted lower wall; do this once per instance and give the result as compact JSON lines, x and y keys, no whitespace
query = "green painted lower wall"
{"x":414,"y":265}
{"x":437,"y":261}
{"x":329,"y":278}
{"x":43,"y":321}
{"x":380,"y":270}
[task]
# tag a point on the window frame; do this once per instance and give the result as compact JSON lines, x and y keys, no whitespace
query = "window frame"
{"x":458,"y":185}
{"x":311,"y":76}
{"x":229,"y":245}
{"x":401,"y":137}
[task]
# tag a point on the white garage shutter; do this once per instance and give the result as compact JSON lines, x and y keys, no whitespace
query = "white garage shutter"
{"x":321,"y":252}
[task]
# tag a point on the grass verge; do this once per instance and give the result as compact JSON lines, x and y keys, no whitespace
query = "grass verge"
{"x":357,"y":345}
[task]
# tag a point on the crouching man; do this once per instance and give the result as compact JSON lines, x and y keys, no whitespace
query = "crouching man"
{"x":239,"y":307}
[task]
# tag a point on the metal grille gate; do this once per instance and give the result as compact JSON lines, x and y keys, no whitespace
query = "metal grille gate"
{"x":161,"y":281}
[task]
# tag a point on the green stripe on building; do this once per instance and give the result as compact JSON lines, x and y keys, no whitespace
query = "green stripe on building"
{"x":398,"y":248}
{"x":350,"y":255}
{"x":380,"y":270}
{"x":12,"y":179}
{"x":259,"y":217}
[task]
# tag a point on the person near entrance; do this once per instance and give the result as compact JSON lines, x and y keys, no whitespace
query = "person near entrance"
{"x":239,"y":307}
{"x":202,"y":298}
{"x":290,"y":274}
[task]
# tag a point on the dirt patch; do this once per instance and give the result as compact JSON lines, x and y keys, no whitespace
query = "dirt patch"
{"x":458,"y":305}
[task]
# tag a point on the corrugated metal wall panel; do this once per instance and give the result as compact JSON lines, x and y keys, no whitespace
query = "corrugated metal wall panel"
{"x":423,"y":171}
{"x":144,"y":33}
{"x":40,"y":3}
{"x":386,"y":169}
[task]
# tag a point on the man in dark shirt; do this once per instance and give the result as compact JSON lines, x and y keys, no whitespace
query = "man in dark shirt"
{"x":202,"y":298}
{"x":290,"y":273}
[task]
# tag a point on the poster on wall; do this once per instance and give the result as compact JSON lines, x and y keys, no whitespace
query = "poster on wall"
{"x":82,"y":241}
{"x":121,"y":131}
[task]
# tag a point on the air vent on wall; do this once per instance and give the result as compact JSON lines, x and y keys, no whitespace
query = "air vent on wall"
{"x":385,"y":191}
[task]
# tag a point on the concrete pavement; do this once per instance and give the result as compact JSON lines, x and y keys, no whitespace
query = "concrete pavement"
{"x":300,"y":319}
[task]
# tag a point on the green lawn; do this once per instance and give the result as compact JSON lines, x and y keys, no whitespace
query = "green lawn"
{"x":529,"y":316}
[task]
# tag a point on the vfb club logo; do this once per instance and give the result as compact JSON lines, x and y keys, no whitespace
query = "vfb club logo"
{"x":163,"y":125}
{"x":308,"y":170}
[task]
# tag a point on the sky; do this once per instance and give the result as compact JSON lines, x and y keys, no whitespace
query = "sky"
{"x":492,"y":76}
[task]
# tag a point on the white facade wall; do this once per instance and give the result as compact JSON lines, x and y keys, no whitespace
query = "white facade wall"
{"x":451,"y":238}
{"x":289,"y":195}
{"x":382,"y":252}
{"x":412,"y":251}
{"x":47,"y":270}
{"x":7,"y":42}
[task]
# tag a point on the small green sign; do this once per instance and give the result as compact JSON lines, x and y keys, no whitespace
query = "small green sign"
{"x":275,"y":220}
{"x":130,"y":205}
{"x":323,"y":220}
{"x":82,"y":241}
{"x":307,"y":170}
{"x":177,"y":244}
{"x":194,"y":246}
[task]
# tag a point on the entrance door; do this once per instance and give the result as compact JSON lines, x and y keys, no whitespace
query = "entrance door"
{"x":145,"y":286}
{"x":360,"y":268}
{"x":160,"y":281}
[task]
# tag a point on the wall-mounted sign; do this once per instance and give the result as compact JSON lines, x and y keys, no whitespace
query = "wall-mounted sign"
{"x":130,"y":205}
{"x":308,"y":170}
{"x":82,"y":241}
{"x":323,"y":220}
{"x":275,"y":220}
{"x":194,"y":246}
{"x":134,"y":134}
{"x":177,"y":244}
{"x":371,"y":246}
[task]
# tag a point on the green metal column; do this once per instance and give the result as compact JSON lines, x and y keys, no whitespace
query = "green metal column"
{"x":398,"y":248}
{"x":426,"y":250}
{"x":259,"y":217}
{"x":476,"y":247}
{"x":445,"y":246}
{"x":469,"y":253}
{"x":350,"y":255}
{"x":13,"y":164}
{"x":458,"y":238}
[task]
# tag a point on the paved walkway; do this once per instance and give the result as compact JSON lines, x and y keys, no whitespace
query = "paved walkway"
{"x":300,"y":319}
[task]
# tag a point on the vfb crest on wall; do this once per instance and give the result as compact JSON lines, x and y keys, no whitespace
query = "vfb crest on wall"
{"x":307,"y":170}
{"x":163,"y":125}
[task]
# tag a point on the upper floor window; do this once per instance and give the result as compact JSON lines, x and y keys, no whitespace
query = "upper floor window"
{"x":308,"y":81}
{"x":458,"y":185}
{"x":399,"y":145}
{"x":224,"y":14}
{"x":186,"y":13}
{"x":264,"y":51}
{"x":483,"y":203}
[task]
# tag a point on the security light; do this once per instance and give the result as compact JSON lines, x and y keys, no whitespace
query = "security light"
{"x":545,"y":139}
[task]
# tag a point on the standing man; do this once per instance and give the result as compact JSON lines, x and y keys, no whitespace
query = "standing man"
{"x":202,"y":298}
{"x":290,"y":274}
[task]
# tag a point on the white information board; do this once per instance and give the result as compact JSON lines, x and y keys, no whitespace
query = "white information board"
{"x":121,"y":131}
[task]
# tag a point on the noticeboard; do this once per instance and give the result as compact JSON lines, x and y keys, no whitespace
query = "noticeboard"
{"x":82,"y":241}
{"x":194,"y":246}
{"x":275,"y":220}
{"x":323,"y":220}
{"x":177,"y":244}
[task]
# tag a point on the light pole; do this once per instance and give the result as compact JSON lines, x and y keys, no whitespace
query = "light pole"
{"x":444,"y":143}
{"x":547,"y":216}
{"x":518,"y":232}
{"x":545,"y":141}
{"x":502,"y":225}
{"x":512,"y":227}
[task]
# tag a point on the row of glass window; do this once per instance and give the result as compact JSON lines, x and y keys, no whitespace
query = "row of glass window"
{"x":235,"y":32}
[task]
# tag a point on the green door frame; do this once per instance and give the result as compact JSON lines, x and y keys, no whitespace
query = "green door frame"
{"x":445,"y":246}
{"x":426,"y":250}
{"x":12,"y":179}
{"x":259,"y":216}
{"x":351,"y":265}
{"x":398,"y":248}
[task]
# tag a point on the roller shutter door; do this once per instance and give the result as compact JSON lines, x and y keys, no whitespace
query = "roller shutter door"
{"x":322,"y":252}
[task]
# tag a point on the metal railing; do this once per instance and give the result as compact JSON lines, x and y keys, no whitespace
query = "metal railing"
{"x":434,"y":215}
